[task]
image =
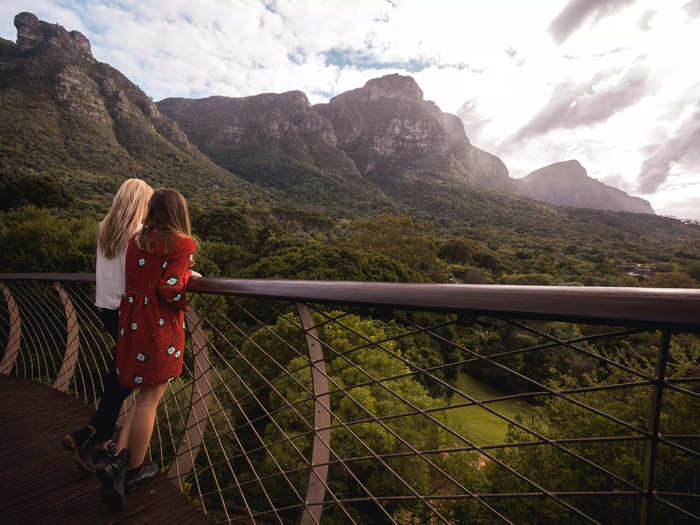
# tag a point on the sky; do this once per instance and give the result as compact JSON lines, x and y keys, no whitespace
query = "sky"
{"x":614,"y":84}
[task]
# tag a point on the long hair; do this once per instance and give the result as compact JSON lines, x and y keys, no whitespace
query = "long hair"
{"x":126,"y":213}
{"x":167,"y":218}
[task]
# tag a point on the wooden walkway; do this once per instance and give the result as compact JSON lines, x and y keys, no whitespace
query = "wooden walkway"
{"x":39,"y":483}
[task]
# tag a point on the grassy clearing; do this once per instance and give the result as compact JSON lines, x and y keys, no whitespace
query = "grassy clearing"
{"x":476,"y":423}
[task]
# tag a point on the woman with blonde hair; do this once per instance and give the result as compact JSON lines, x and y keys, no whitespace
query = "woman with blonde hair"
{"x":89,"y":444}
{"x":151,"y":340}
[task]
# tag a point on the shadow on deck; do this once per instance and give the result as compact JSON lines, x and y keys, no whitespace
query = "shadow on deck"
{"x":39,"y":483}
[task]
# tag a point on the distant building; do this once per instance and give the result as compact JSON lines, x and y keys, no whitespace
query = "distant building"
{"x":636,"y":270}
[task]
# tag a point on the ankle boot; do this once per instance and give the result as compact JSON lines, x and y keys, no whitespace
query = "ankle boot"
{"x":112,"y":474}
{"x":81,"y":444}
{"x":140,"y":474}
{"x":104,"y":455}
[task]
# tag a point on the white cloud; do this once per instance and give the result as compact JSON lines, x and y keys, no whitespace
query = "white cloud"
{"x":679,"y":197}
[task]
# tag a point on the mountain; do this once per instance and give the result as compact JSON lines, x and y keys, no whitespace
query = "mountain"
{"x":386,"y":125}
{"x":568,"y":184}
{"x":375,"y":149}
{"x":278,"y":141}
{"x":381,"y":147}
{"x":73,"y":124}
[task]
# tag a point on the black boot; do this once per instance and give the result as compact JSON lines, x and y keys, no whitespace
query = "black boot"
{"x":113,"y":476}
{"x":140,"y":474}
{"x":81,"y":444}
{"x":104,"y":455}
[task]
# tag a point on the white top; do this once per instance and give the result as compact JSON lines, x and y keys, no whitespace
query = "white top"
{"x":109,"y":278}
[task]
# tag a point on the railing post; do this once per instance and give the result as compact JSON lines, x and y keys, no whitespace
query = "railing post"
{"x":15,"y":337}
{"x":70,"y":357}
{"x":653,"y":425}
{"x":316,"y":488}
{"x":198,"y":416}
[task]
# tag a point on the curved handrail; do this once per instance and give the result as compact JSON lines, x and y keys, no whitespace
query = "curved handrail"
{"x":276,"y":400}
{"x":669,"y":307}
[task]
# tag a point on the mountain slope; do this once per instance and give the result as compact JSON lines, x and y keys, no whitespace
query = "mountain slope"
{"x":72,"y":129}
{"x":568,"y":184}
{"x":82,"y":125}
{"x":279,"y":142}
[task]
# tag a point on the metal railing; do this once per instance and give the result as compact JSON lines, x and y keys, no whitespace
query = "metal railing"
{"x":337,"y":402}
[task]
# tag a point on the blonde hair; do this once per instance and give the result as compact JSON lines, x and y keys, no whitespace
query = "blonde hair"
{"x":167,"y":218}
{"x":126,"y":213}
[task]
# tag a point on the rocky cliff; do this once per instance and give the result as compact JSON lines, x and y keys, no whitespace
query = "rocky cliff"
{"x":388,"y":122}
{"x":66,"y":116}
{"x":568,"y":184}
{"x":378,"y":148}
{"x":280,"y":142}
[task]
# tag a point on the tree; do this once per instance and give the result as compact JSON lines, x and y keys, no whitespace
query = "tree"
{"x":316,"y":261}
{"x":557,"y":471}
{"x":350,"y":369}
{"x":398,"y":237}
{"x":670,"y":280}
{"x":34,"y":240}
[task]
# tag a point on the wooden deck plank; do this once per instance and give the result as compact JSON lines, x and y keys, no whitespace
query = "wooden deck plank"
{"x":39,"y":482}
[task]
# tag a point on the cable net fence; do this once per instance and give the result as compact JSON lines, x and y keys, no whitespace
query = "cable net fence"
{"x":291,"y":412}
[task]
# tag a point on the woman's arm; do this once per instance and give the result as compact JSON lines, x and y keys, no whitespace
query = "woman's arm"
{"x":176,"y":272}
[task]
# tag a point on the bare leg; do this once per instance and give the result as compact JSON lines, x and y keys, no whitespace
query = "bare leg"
{"x":141,"y":427}
{"x":126,"y":428}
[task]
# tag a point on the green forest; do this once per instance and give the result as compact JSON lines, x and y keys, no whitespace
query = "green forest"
{"x":46,"y":227}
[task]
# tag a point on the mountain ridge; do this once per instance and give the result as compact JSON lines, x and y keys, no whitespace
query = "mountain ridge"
{"x":87,"y":125}
{"x":388,"y":130}
{"x":378,"y":148}
{"x":567,"y":183}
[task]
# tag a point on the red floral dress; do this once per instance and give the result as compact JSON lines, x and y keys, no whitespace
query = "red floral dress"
{"x":151,"y":315}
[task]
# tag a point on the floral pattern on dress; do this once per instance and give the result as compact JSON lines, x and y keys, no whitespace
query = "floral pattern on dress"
{"x":152,"y":320}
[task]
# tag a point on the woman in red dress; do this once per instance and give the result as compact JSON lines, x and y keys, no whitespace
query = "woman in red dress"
{"x":151,"y":337}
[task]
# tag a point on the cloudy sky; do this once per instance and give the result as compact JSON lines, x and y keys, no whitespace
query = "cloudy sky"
{"x":612,"y":83}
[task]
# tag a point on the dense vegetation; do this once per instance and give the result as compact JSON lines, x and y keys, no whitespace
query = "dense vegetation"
{"x":290,"y":242}
{"x":42,"y":230}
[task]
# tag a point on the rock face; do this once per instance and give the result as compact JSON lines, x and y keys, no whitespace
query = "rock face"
{"x":383,"y":136}
{"x":568,"y":184}
{"x":83,"y":116}
{"x":278,"y":141}
{"x":378,"y":137}
{"x":388,"y":121}
{"x":222,"y":125}
{"x":50,"y":39}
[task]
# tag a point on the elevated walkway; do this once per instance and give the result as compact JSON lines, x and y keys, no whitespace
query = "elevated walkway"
{"x":309,"y":402}
{"x":39,"y":483}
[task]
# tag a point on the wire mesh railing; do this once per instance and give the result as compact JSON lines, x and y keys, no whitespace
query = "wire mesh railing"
{"x":311,"y":402}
